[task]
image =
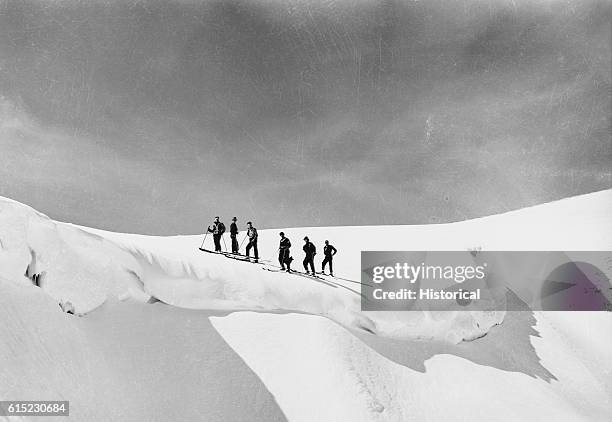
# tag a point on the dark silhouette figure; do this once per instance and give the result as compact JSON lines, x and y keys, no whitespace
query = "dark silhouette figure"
{"x":217,"y":229}
{"x":234,"y":235}
{"x":252,"y":235}
{"x":284,"y":254}
{"x":329,"y":251}
{"x":310,"y":250}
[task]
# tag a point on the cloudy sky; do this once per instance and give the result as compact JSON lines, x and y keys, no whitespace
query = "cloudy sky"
{"x":154,"y":116}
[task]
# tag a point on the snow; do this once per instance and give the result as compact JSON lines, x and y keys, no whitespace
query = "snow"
{"x":124,"y":362}
{"x":306,"y":360}
{"x":305,"y":347}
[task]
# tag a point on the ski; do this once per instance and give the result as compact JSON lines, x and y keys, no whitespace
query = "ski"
{"x":345,"y":279}
{"x":209,"y":251}
{"x":308,"y":275}
{"x":246,"y":259}
{"x":239,"y":255}
{"x":314,"y":277}
{"x":301,"y":274}
{"x":237,"y":258}
{"x":273,"y":270}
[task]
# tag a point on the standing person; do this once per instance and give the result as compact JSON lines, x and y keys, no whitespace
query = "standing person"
{"x":234,"y":235}
{"x":217,"y":229}
{"x":329,"y":251}
{"x":284,"y":255}
{"x":310,"y":250}
{"x":252,"y":235}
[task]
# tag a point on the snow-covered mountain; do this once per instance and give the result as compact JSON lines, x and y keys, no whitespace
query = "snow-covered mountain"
{"x":170,"y":332}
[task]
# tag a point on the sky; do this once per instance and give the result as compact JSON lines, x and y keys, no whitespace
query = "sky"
{"x":155,"y":116}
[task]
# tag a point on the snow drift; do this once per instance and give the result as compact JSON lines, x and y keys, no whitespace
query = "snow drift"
{"x":386,"y":366}
{"x":85,"y":268}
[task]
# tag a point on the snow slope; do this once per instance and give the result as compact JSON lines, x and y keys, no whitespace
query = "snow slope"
{"x":308,"y":350}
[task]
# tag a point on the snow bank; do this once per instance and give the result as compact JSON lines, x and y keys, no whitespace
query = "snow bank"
{"x":69,"y":264}
{"x":319,"y":371}
{"x":142,"y":353}
{"x":124,"y":362}
{"x":87,"y":267}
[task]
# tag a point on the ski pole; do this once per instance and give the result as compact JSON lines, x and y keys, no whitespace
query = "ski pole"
{"x":206,"y":234}
{"x":224,"y":245}
{"x":245,"y":236}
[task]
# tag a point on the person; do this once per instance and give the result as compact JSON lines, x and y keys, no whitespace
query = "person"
{"x":284,"y":254}
{"x":252,"y":235}
{"x":329,"y":251}
{"x":217,"y":229}
{"x":234,"y":235}
{"x":310,"y":250}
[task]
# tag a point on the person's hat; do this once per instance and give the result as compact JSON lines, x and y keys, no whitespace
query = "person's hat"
{"x":306,"y":238}
{"x":282,"y":234}
{"x":234,"y":219}
{"x":250,"y":223}
{"x":217,"y":217}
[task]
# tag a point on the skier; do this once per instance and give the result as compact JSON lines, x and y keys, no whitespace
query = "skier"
{"x":234,"y":235}
{"x":252,"y":235}
{"x":328,"y":251}
{"x":284,"y":255}
{"x":310,"y":250}
{"x":217,"y":229}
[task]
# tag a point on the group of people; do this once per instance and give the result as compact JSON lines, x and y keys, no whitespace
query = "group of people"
{"x":217,"y":228}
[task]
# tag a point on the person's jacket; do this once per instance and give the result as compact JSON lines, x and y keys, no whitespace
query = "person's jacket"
{"x":252,"y":233}
{"x":329,"y":250}
{"x":310,"y":249}
{"x":217,"y":228}
{"x":233,"y":228}
{"x":285,"y":243}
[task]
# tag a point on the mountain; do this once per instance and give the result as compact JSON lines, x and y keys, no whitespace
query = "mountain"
{"x":162,"y":330}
